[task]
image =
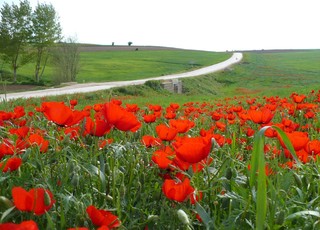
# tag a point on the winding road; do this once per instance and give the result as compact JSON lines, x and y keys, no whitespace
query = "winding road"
{"x":91,"y":87}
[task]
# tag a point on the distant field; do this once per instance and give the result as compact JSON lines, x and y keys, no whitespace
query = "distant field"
{"x":129,"y":65}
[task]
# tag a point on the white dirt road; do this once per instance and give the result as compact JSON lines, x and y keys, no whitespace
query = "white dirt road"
{"x":91,"y":87}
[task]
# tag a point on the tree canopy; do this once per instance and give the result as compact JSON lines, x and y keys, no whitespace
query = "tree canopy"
{"x":15,"y":33}
{"x":27,"y":35}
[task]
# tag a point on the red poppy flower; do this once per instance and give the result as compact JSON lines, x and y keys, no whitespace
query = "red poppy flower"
{"x":163,"y":157}
{"x":177,"y":191}
{"x":182,"y":126}
{"x":313,"y":147}
{"x":98,"y":127}
{"x":73,"y":132}
{"x":174,"y":106}
{"x":4,"y":116}
{"x":37,"y":200}
{"x":101,"y":217}
{"x":18,"y":112}
{"x":103,"y":143}
{"x":289,"y":125}
{"x":20,"y":132}
{"x":11,"y":164}
{"x":196,"y":196}
{"x":178,"y":163}
{"x":249,"y":132}
{"x":24,"y":225}
{"x":298,"y":140}
{"x":149,"y":118}
{"x":298,"y":98}
{"x":261,"y":116}
{"x":221,"y":126}
{"x":21,"y":145}
{"x":98,"y":107}
{"x":192,"y":149}
{"x":40,"y":141}
{"x":73,"y":103}
{"x":133,"y":108}
{"x":6,"y":148}
{"x":309,"y":114}
{"x":116,"y":101}
{"x":170,"y":115}
{"x":197,"y":167}
{"x":150,"y":141}
{"x":166,"y":133}
{"x":155,"y":108}
{"x":61,"y":114}
{"x":120,"y":118}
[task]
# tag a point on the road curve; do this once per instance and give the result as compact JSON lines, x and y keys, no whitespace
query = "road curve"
{"x":91,"y":87}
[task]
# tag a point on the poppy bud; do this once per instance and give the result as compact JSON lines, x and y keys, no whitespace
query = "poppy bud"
{"x":298,"y":180}
{"x":229,"y":173}
{"x":47,"y":199}
{"x":75,"y":180}
{"x":5,"y":202}
{"x":183,"y":217}
{"x":153,"y":217}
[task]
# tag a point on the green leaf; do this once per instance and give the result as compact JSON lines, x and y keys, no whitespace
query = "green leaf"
{"x":303,"y":213}
{"x":288,"y":144}
{"x":6,"y":213}
{"x":50,"y":223}
{"x":206,"y":219}
{"x":94,"y":170}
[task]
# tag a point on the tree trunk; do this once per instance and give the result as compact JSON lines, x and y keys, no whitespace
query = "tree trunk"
{"x":14,"y":68}
{"x":44,"y":66}
{"x":15,"y":74}
{"x":38,"y":63}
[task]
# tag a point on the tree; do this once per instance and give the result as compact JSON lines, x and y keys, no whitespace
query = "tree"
{"x":15,"y":33}
{"x":66,"y":59}
{"x":46,"y":32}
{"x":129,"y":43}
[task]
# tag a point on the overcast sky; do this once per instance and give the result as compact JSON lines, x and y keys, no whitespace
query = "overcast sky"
{"x":215,"y":25}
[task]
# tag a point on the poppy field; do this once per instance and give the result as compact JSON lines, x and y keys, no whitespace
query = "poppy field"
{"x":238,"y":163}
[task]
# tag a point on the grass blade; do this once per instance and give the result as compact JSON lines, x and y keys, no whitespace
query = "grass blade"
{"x":258,"y":164}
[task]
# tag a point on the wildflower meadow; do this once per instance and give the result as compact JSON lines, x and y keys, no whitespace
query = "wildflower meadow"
{"x":245,"y":162}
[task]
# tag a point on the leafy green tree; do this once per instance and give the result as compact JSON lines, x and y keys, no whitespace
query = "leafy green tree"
{"x":46,"y":32}
{"x":15,"y":33}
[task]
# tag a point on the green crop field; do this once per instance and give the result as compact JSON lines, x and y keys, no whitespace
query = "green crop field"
{"x":131,"y":65}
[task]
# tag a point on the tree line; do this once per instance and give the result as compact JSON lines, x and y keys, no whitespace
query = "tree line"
{"x":34,"y":36}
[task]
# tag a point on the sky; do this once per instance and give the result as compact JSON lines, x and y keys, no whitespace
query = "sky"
{"x":213,"y":25}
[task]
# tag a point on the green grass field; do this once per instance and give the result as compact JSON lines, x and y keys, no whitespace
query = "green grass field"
{"x":273,"y":73}
{"x":102,"y":66}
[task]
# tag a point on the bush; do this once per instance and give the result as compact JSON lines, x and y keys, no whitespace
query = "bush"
{"x":155,"y":85}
